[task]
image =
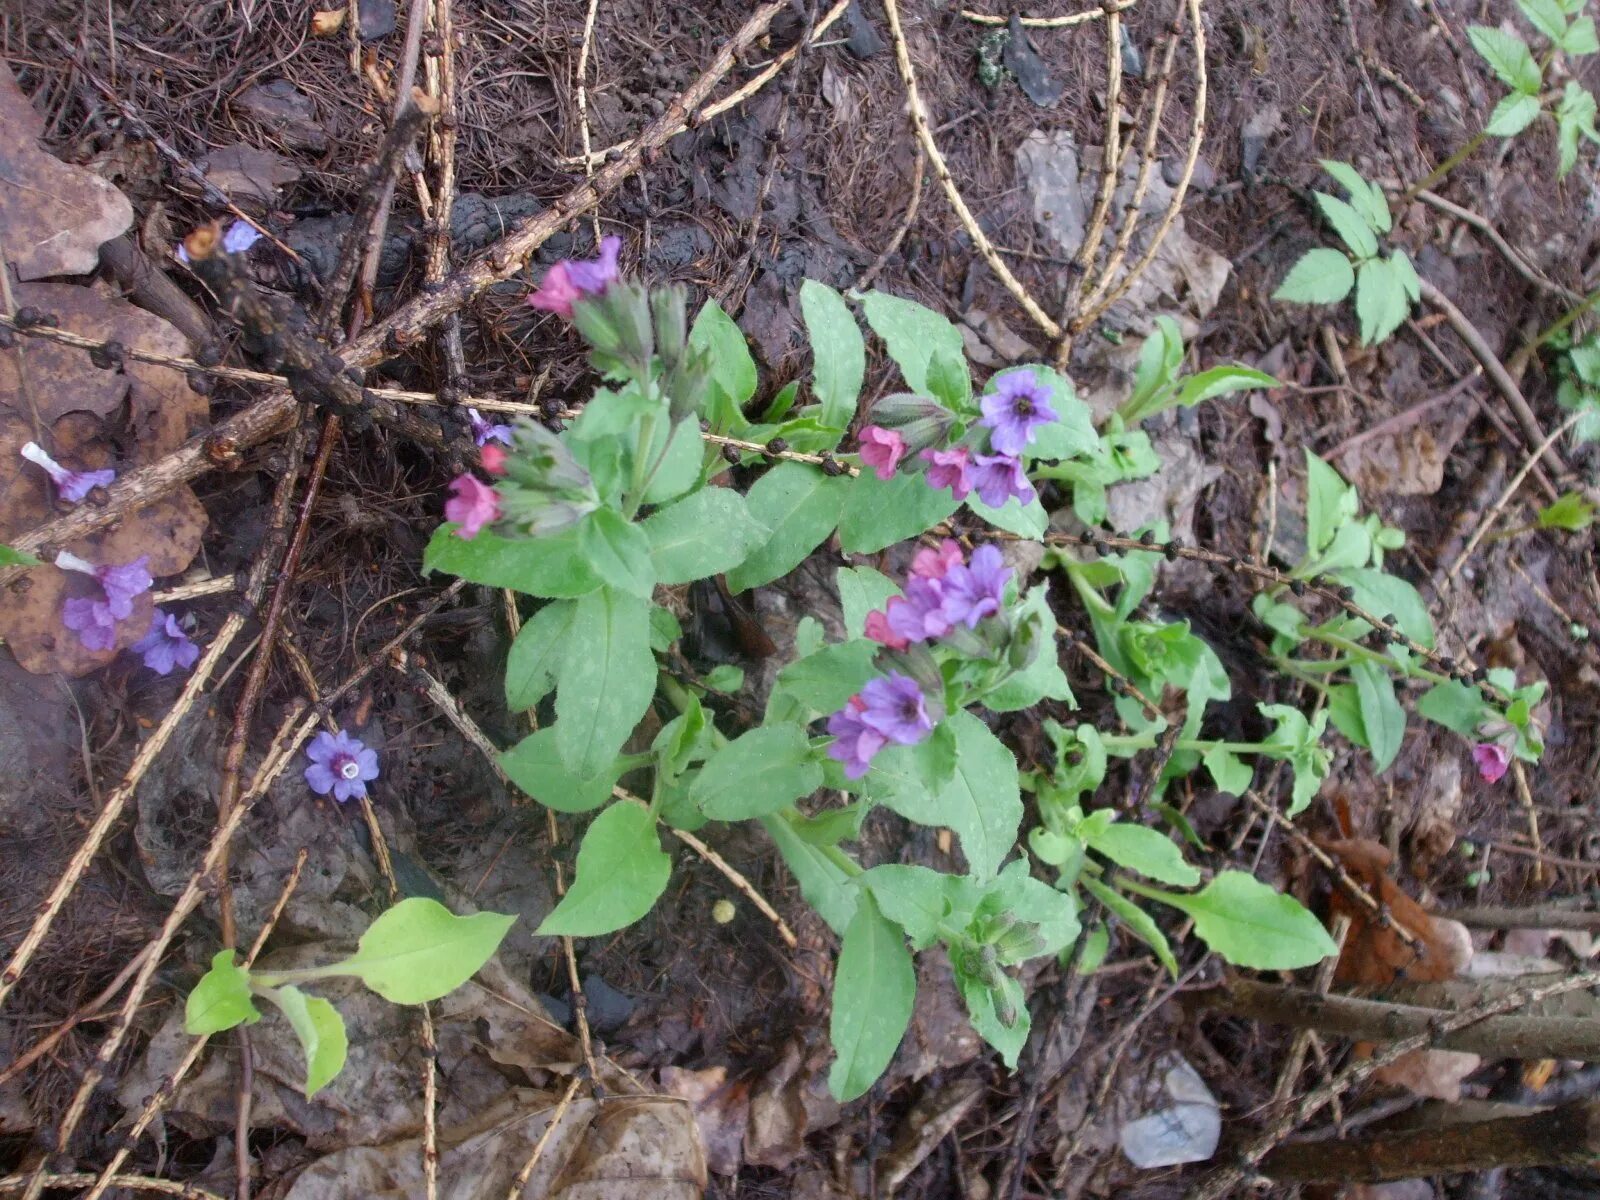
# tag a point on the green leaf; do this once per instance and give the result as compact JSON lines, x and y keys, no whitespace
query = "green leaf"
{"x":874,"y":987}
{"x":1546,"y":16}
{"x":981,"y":802}
{"x":912,"y":334}
{"x":1140,"y":923}
{"x":704,"y":534}
{"x":419,"y":950}
{"x":838,"y":352}
{"x":1580,"y":38}
{"x":1571,"y":512}
{"x":1381,"y":715}
{"x":1457,"y":706}
{"x":1366,"y":198}
{"x":1219,"y":381}
{"x":1025,"y":520}
{"x":618,"y":550}
{"x":682,"y":459}
{"x":920,"y":900}
{"x":733,"y":371}
{"x":949,"y":381}
{"x":861,"y":589}
{"x":757,"y":773}
{"x":221,"y":999}
{"x":1344,"y":711}
{"x":1229,"y":772}
{"x":1385,"y":595}
{"x":17,"y":558}
{"x":1322,"y":276}
{"x":1350,"y":225}
{"x":726,"y":679}
{"x":1299,"y":743}
{"x":1092,"y":954}
{"x":535,"y":766}
{"x":621,"y":871}
{"x":1400,"y":263}
{"x":1381,"y":300}
{"x":1007,"y":1035}
{"x":1508,"y":57}
{"x":1159,"y":359}
{"x":1575,"y":116}
{"x":551,"y":566}
{"x":1143,"y":850}
{"x":606,"y":683}
{"x":879,"y":513}
{"x":1250,"y":924}
{"x":825,"y":887}
{"x":537,"y":654}
{"x":821,"y":682}
{"x":320,"y":1029}
{"x":1330,"y":503}
{"x":800,"y":506}
{"x":1515,"y":112}
{"x":664,"y":629}
{"x":1053,"y":913}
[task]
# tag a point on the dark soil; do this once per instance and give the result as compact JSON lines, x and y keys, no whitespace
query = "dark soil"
{"x":680,"y":990}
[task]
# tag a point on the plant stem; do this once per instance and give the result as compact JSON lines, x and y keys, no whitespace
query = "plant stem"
{"x":1357,"y":650}
{"x":1448,"y":165}
{"x":1144,"y":741}
{"x":1565,"y":320}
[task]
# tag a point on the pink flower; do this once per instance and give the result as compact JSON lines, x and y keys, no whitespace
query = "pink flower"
{"x":882,"y":449}
{"x":948,"y":469}
{"x":931,"y":563}
{"x":493,"y":459}
{"x":1492,"y":759}
{"x":472,"y":503}
{"x":571,"y":280}
{"x":557,"y":292}
{"x":878,"y":630}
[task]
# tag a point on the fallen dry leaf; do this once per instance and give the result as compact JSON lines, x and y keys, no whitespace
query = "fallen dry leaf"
{"x":53,"y":216}
{"x":721,"y":1110}
{"x":1409,"y":461}
{"x":250,"y":174}
{"x":1377,"y":956}
{"x":789,"y":1102}
{"x":1435,"y":1074}
{"x":90,"y":418}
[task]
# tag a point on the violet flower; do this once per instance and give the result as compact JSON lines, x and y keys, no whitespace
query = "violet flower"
{"x":894,"y":706}
{"x":473,"y":503}
{"x":1492,"y":760}
{"x":998,"y":477}
{"x":238,"y":238}
{"x":919,"y":615}
{"x":854,"y":741}
{"x":483,"y":430}
{"x":95,"y":621}
{"x":72,"y":485}
{"x":569,"y":280}
{"x":882,"y":449}
{"x":975,"y":591}
{"x":166,"y":647}
{"x":1011,"y":412}
{"x":948,"y":469}
{"x":340,"y":764}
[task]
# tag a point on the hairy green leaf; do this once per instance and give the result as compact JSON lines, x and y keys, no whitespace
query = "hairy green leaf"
{"x":419,"y":950}
{"x":621,"y":872}
{"x":551,"y":566}
{"x":733,"y":371}
{"x":221,"y":999}
{"x":913,"y":335}
{"x":537,"y":654}
{"x":838,"y":352}
{"x":823,"y":884}
{"x":535,"y":765}
{"x":878,"y":513}
{"x":1250,"y":924}
{"x":1382,"y":718}
{"x":800,"y":506}
{"x":861,"y":589}
{"x":1144,"y":850}
{"x":874,"y":987}
{"x":704,"y":534}
{"x":1139,"y":923}
{"x":921,"y":900}
{"x":757,"y":773}
{"x":606,"y":682}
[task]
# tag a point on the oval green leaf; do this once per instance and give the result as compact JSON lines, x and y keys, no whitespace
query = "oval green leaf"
{"x":621,"y":872}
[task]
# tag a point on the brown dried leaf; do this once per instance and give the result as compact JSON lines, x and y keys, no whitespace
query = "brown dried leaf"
{"x":639,"y":1148}
{"x":1375,"y":955}
{"x":789,"y":1102}
{"x":1409,"y":461}
{"x":1435,"y":1074}
{"x":721,"y":1111}
{"x":250,"y":174}
{"x":53,"y":216}
{"x":328,"y":21}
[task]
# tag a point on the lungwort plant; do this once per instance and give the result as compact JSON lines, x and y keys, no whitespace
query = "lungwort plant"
{"x":666,"y":478}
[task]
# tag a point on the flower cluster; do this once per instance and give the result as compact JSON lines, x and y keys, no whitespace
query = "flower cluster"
{"x":942,"y":592}
{"x":95,"y":620}
{"x":569,"y":281}
{"x":1012,"y":414}
{"x":340,"y":764}
{"x":72,"y":486}
{"x":542,"y":489}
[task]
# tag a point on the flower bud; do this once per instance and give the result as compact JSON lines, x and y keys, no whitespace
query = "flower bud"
{"x":919,"y":664}
{"x":923,"y":423}
{"x":669,"y":308}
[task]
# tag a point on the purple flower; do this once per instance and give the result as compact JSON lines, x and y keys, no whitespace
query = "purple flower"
{"x":95,"y":621}
{"x":483,"y":431}
{"x":948,"y":469}
{"x":854,"y":741}
{"x":73,"y":485}
{"x":998,"y":477}
{"x":340,"y":764}
{"x":1018,"y":403}
{"x":919,"y":614}
{"x":166,"y":647}
{"x":882,"y":450}
{"x":1492,"y":759}
{"x":895,"y":707}
{"x":973,"y":592}
{"x":570,"y":280}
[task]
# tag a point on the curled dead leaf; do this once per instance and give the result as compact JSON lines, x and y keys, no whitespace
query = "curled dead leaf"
{"x":328,"y":22}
